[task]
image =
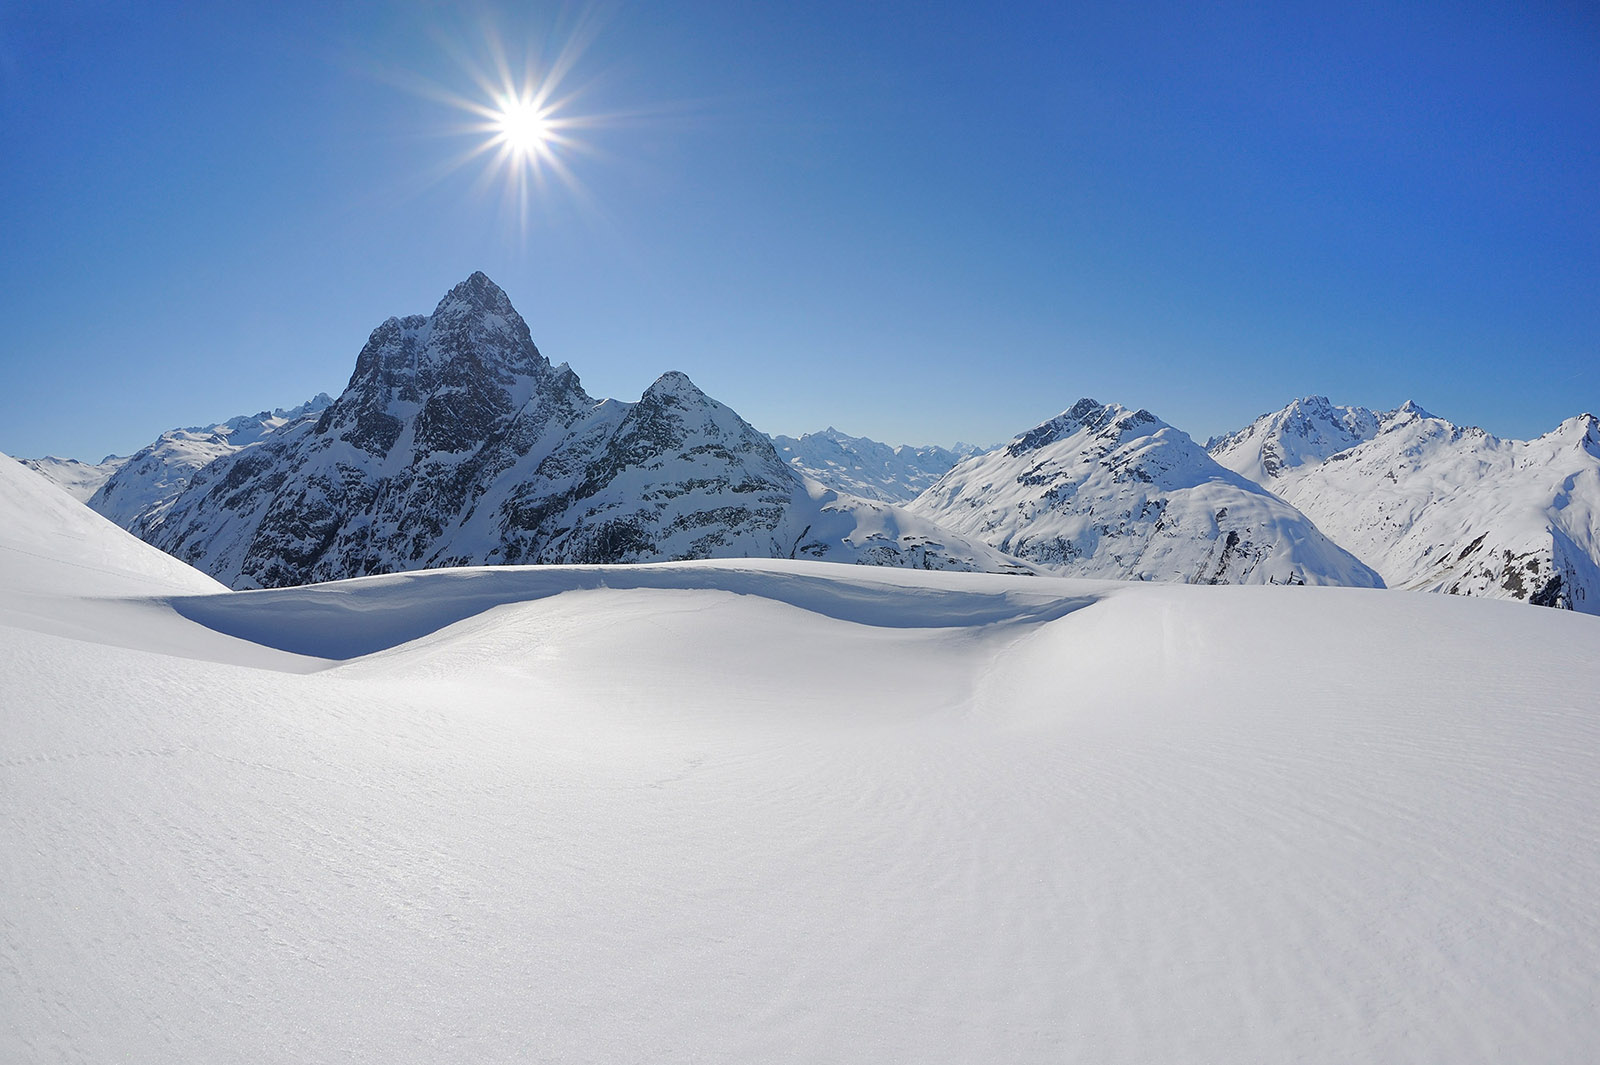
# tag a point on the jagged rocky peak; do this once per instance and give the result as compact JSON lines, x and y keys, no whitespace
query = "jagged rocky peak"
{"x":473,"y":329}
{"x":1108,"y":420}
{"x":461,"y":371}
{"x":1308,"y":430}
{"x":674,"y":384}
{"x":1583,"y":430}
{"x":1413,"y":408}
{"x":675,"y":420}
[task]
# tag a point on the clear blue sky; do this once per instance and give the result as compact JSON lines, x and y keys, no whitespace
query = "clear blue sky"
{"x":914,"y":221}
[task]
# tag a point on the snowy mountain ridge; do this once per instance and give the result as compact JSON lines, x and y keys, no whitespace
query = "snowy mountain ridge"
{"x":1104,"y":491}
{"x":138,"y":492}
{"x":1433,"y":506}
{"x":457,"y":443}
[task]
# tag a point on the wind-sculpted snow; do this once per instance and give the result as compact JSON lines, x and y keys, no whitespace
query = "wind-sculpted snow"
{"x":456,"y":443}
{"x":773,"y":810}
{"x":1437,"y":507}
{"x":349,"y":619}
{"x":1101,"y":491}
{"x":867,"y":468}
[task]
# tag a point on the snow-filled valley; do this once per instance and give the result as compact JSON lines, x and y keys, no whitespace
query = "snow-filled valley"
{"x":750,"y":810}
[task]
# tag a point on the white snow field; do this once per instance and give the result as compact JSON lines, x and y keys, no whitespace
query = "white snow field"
{"x":748,"y":811}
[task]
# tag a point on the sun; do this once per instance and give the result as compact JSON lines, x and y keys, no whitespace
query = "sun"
{"x":522,"y":127}
{"x":522,"y":120}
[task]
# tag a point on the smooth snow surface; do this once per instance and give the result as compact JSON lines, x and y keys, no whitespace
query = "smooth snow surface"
{"x":771,"y":810}
{"x":50,"y":541}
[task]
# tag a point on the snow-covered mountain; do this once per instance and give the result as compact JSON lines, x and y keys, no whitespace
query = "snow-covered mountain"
{"x":1438,"y":507}
{"x":1102,"y":491}
{"x":457,"y":443}
{"x":1308,"y":430}
{"x":78,"y":479}
{"x":138,"y":492}
{"x":868,"y":468}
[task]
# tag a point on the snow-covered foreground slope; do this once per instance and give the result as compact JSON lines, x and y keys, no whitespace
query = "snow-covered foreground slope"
{"x":51,"y":543}
{"x":1102,"y":491}
{"x":774,"y":810}
{"x":1435,"y":506}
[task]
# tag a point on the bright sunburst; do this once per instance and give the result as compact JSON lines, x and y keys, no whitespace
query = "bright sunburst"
{"x":522,"y":127}
{"x":521,"y":122}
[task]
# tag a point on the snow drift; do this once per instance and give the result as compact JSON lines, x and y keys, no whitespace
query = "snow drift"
{"x":763,"y":810}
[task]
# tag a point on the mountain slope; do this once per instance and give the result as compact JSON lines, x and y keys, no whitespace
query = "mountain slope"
{"x":49,"y":540}
{"x":749,"y":811}
{"x":138,"y":492}
{"x":1437,"y":507}
{"x":457,"y":443}
{"x":1101,"y":491}
{"x":867,"y":468}
{"x":1308,"y":430}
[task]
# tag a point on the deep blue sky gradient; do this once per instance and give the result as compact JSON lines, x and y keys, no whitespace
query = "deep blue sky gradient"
{"x":915,"y":221}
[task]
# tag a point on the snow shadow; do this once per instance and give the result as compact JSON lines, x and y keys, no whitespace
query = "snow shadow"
{"x":342,"y":620}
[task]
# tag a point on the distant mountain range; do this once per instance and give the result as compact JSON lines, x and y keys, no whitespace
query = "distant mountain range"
{"x":867,"y":468}
{"x":80,"y":480}
{"x":1102,"y":491}
{"x":456,"y":442}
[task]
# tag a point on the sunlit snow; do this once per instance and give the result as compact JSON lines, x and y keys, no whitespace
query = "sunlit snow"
{"x":772,"y":810}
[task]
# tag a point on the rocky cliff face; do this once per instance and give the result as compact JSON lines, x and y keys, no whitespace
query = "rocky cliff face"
{"x":1103,"y":491}
{"x":457,"y":443}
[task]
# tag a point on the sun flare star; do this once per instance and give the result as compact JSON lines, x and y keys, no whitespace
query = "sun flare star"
{"x":521,"y":121}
